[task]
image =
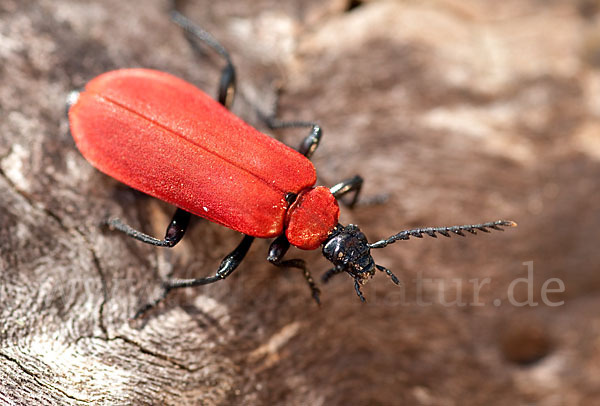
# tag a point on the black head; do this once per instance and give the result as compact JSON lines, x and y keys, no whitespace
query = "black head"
{"x":348,"y":249}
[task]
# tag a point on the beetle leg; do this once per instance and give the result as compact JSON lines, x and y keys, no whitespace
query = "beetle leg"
{"x":309,"y":144}
{"x":277,"y":250}
{"x":195,"y":32}
{"x":174,"y":233}
{"x":349,"y":185}
{"x":227,"y":86}
{"x":228,"y":265}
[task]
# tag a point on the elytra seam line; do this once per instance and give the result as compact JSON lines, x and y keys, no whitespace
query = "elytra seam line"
{"x":110,"y":100}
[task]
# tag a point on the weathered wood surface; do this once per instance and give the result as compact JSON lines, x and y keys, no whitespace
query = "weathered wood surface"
{"x":461,"y":110}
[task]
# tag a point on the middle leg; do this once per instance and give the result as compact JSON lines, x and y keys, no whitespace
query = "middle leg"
{"x":309,"y":144}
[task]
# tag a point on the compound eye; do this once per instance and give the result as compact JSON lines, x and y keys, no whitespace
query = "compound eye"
{"x":332,"y":250}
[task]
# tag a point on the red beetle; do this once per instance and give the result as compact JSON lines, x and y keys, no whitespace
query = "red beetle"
{"x":165,"y":137}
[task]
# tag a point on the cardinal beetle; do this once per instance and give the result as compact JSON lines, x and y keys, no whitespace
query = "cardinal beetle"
{"x":165,"y":137}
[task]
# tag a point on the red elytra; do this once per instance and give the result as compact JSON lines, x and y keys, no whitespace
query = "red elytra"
{"x":163,"y":136}
{"x":169,"y":139}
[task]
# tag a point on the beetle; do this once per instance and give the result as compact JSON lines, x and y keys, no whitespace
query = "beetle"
{"x":164,"y":137}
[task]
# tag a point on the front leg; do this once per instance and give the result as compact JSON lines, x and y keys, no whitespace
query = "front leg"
{"x":277,"y":251}
{"x":348,"y":186}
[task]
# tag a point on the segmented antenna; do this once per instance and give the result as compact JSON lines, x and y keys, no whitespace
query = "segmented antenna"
{"x":445,"y":231}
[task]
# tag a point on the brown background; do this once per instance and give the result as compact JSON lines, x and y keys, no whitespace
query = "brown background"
{"x":461,"y":110}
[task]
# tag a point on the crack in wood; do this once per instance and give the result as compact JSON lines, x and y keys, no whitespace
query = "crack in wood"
{"x":39,"y":380}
